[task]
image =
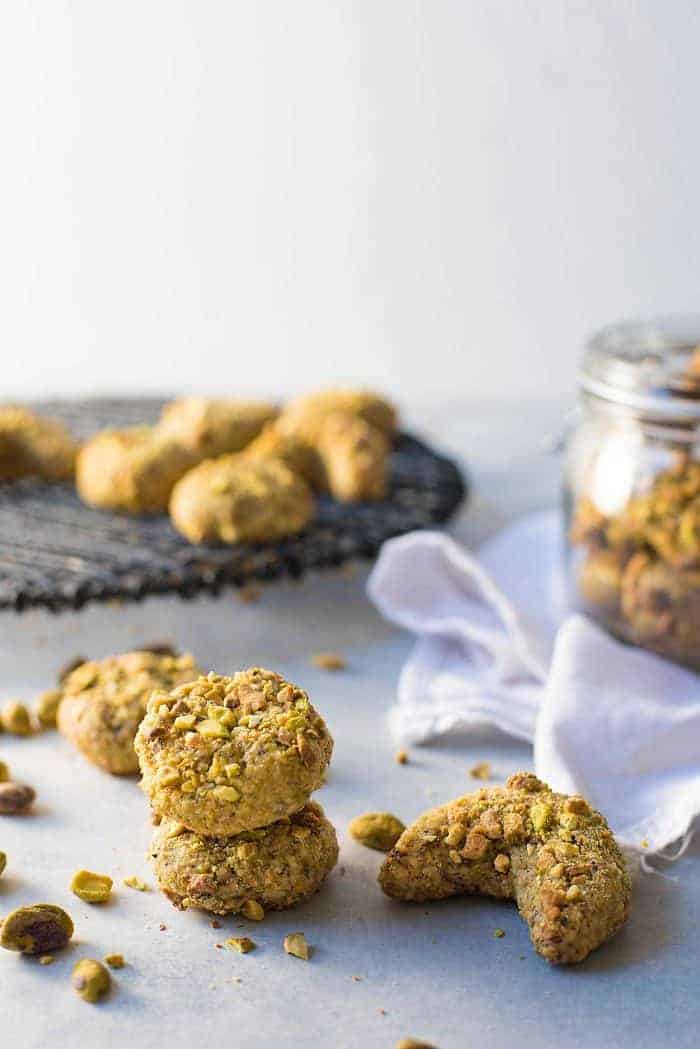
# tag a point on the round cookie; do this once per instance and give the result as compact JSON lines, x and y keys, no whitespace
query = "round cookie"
{"x":551,"y":853}
{"x":297,"y":454}
{"x":103,"y":703}
{"x":130,"y":470}
{"x":228,"y":754}
{"x":234,"y":499}
{"x":275,"y":867}
{"x":355,"y":456}
{"x":31,"y":445}
{"x":208,"y":427}
{"x":305,"y":416}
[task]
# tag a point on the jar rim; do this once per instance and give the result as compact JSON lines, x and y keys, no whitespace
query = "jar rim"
{"x":650,"y":366}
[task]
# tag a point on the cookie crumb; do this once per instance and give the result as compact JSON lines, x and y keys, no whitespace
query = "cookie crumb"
{"x":132,"y":882}
{"x":47,"y":959}
{"x":499,"y":933}
{"x":481,"y":771}
{"x":295,"y":943}
{"x":357,"y":979}
{"x":329,"y":661}
{"x":242,"y":944}
{"x":402,"y":757}
{"x":249,"y":595}
{"x":114,"y":961}
{"x":252,"y":910}
{"x":215,"y":924}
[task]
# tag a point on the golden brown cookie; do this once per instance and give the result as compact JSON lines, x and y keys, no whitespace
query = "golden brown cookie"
{"x":208,"y":427}
{"x":355,"y":457}
{"x":228,"y":754}
{"x":300,"y":456}
{"x":31,"y":445}
{"x":103,"y":703}
{"x":275,"y":867}
{"x":551,"y":853}
{"x":234,"y":499}
{"x":130,"y":470}
{"x":305,"y":416}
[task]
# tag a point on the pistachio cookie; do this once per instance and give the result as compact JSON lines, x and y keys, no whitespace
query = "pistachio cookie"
{"x":300,"y":456}
{"x":551,"y":853}
{"x":224,"y":755}
{"x":305,"y":416}
{"x":234,"y":499}
{"x":355,"y":457}
{"x":209,"y":427}
{"x":274,"y":867}
{"x":103,"y":703}
{"x":130,"y":470}
{"x":33,"y":446}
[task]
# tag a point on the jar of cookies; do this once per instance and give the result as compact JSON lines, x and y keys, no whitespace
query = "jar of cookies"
{"x":632,"y":486}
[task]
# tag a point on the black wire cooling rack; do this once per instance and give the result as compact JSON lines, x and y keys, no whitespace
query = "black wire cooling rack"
{"x":57,"y":553}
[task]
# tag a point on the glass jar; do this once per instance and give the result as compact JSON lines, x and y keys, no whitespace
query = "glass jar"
{"x":632,"y":486}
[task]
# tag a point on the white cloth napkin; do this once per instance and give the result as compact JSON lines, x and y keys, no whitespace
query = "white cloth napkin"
{"x":496,"y":647}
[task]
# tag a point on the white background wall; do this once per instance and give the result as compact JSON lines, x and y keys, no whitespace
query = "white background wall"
{"x":435,"y":196}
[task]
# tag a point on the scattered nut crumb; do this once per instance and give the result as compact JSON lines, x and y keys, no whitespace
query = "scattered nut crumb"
{"x":249,"y":594}
{"x":499,"y":933}
{"x":644,"y":843}
{"x":253,"y":910}
{"x":132,"y":882}
{"x":15,"y":798}
{"x":402,"y":757}
{"x":481,"y":771}
{"x":216,"y":924}
{"x":411,"y":1043}
{"x":162,"y":928}
{"x":15,"y":719}
{"x":329,"y":661}
{"x":377,"y":830}
{"x":382,"y":1012}
{"x":90,"y":980}
{"x":4,"y":772}
{"x":295,"y":943}
{"x":236,"y":979}
{"x":242,"y":944}
{"x":357,"y":979}
{"x":115,"y":961}
{"x":90,"y":887}
{"x":47,"y":959}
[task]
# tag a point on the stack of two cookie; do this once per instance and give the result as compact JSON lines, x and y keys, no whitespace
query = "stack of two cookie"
{"x":229,"y":764}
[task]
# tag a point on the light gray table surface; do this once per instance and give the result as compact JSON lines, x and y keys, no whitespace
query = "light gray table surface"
{"x":435,"y":972}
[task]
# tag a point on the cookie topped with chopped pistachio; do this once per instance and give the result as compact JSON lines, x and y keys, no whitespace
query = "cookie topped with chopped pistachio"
{"x":225,"y":755}
{"x":267,"y":869}
{"x":306,"y":416}
{"x":132,"y":470}
{"x":209,"y":426}
{"x":103,"y":702}
{"x":552,"y":853}
{"x":34,"y":446}
{"x":235,"y":499}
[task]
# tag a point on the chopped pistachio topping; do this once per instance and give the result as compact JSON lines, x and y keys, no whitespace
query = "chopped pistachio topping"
{"x":132,"y":882}
{"x":252,"y":909}
{"x":92,"y":888}
{"x":540,"y":814}
{"x":184,"y":722}
{"x":499,"y":933}
{"x":295,"y":943}
{"x":90,"y":980}
{"x":115,"y":961}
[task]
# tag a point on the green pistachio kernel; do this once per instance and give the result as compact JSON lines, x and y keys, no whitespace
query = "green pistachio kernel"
{"x":90,"y":980}
{"x":37,"y":929}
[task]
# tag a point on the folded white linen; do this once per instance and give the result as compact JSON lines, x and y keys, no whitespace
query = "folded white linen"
{"x":497,"y":647}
